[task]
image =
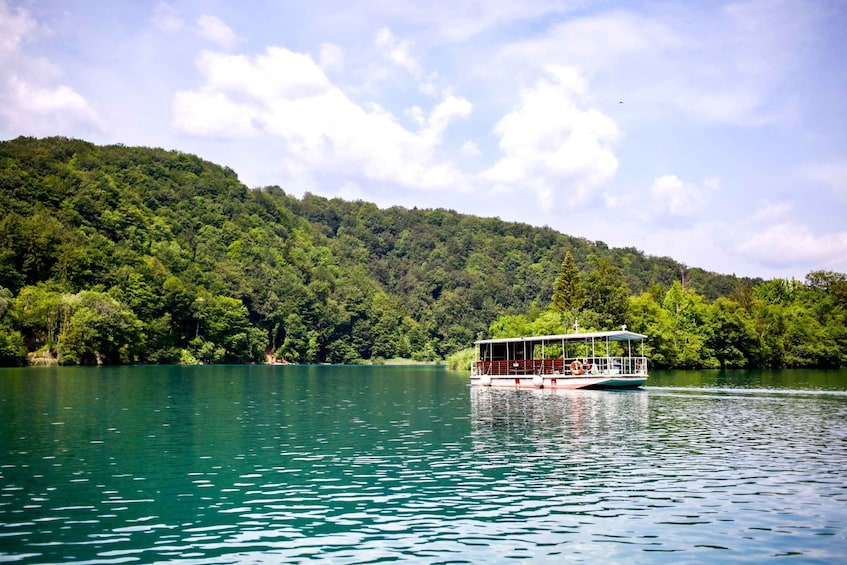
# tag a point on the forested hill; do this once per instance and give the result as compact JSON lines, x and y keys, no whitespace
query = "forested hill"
{"x":119,"y":254}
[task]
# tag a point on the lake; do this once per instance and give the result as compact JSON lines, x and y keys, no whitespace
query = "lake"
{"x":224,"y":464}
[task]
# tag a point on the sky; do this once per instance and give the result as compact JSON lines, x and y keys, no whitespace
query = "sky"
{"x":711,"y":132}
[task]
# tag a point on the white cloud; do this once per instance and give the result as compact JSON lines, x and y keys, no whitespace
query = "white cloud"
{"x":832,"y":174}
{"x":216,"y":31}
{"x":733,"y":65}
{"x":771,"y":212}
{"x":553,"y":144}
{"x":780,"y":241}
{"x":276,"y":74}
{"x":330,"y":56}
{"x":793,"y":244}
{"x":212,"y":114}
{"x":724,"y":65}
{"x":166,"y":18}
{"x":15,"y":26}
{"x":31,"y":99}
{"x":459,"y":20}
{"x":287,"y":96}
{"x":678,"y":198}
{"x":596,"y":42}
{"x":470,"y":149}
{"x":39,"y":100}
{"x":399,"y":52}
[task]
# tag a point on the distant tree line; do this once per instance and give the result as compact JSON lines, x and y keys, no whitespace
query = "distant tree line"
{"x":775,"y":323}
{"x":112,"y":254}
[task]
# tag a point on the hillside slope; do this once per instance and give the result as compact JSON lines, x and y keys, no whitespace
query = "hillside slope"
{"x":118,"y":254}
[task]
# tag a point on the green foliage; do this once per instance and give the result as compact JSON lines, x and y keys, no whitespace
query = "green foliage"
{"x":116,"y":255}
{"x":732,"y":333}
{"x":647,"y":316}
{"x":98,"y":329}
{"x":461,"y":360}
{"x":12,"y":347}
{"x":517,"y":325}
{"x":777,"y":323}
{"x":567,"y":292}
{"x":187,"y":358}
{"x":606,"y":294}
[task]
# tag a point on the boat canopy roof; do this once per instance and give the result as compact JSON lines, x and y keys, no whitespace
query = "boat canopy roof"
{"x":619,"y":335}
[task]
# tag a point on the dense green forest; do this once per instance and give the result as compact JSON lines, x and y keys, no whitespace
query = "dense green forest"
{"x":122,"y":255}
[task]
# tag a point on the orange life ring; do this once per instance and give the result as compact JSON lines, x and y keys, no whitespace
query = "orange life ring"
{"x":576,"y":367}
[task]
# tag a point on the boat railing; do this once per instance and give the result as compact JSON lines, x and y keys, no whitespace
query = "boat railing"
{"x":568,"y":367}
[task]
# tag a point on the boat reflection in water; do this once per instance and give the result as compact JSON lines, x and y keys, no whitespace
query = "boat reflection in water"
{"x":555,"y":421}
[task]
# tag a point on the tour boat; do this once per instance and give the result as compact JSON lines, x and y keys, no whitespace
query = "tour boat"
{"x":613,"y":359}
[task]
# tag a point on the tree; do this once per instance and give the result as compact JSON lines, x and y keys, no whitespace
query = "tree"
{"x":12,"y":348}
{"x":827,"y":281}
{"x":296,"y":344}
{"x":689,"y":315}
{"x":224,"y":326}
{"x":566,"y":289}
{"x":39,"y":312}
{"x":99,"y":330}
{"x":606,"y":294}
{"x":769,"y":324}
{"x":645,"y":315}
{"x":733,"y":334}
{"x":510,"y":326}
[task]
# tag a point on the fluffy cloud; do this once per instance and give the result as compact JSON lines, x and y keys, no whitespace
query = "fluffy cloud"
{"x":781,"y":241}
{"x":678,"y":198}
{"x":399,"y":52}
{"x":287,"y":96}
{"x":15,"y":25}
{"x":32,"y":100}
{"x":330,"y":56}
{"x":470,"y":149}
{"x":213,"y":115}
{"x":166,"y":18}
{"x":216,"y":31}
{"x":553,"y":144}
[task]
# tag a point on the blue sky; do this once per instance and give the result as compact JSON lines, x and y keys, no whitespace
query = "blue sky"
{"x":711,"y":132}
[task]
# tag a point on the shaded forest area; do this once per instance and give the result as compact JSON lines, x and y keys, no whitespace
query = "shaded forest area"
{"x":115,"y":254}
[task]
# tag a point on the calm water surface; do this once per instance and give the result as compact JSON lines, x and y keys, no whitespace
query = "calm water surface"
{"x":362,"y":464}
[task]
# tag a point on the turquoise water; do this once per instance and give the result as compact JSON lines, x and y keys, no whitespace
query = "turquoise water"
{"x":363,"y":464}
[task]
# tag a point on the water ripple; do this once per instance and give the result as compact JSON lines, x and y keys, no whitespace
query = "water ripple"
{"x":425,"y":469}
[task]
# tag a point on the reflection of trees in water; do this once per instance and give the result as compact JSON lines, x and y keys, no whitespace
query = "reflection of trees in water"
{"x":571,"y":412}
{"x":557,"y":431}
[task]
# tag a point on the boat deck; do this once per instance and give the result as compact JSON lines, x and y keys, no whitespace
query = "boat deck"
{"x":596,"y":359}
